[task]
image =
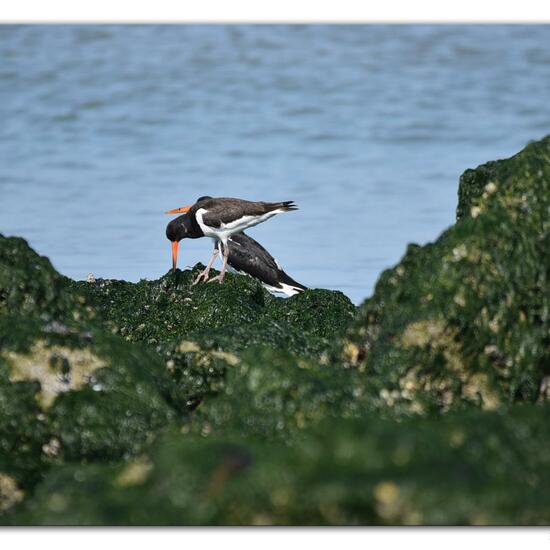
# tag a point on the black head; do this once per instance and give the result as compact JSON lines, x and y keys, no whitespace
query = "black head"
{"x":179,"y":228}
{"x":206,"y":197}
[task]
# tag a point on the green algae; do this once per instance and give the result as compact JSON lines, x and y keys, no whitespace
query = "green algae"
{"x":29,"y":285}
{"x":66,"y":395}
{"x":22,"y":432}
{"x":526,"y":172}
{"x":471,"y":468}
{"x":86,"y":395}
{"x":232,"y":316}
{"x":274,"y":394}
{"x":465,"y":320}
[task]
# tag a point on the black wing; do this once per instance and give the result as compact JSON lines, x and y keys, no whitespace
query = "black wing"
{"x":227,"y":210}
{"x":249,"y":256}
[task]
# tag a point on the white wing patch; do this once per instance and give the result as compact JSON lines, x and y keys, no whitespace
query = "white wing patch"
{"x":236,"y":226}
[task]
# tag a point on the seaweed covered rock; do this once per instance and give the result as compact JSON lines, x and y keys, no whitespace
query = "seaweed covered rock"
{"x":195,"y":371}
{"x":526,"y":172}
{"x":232,"y":316}
{"x":68,"y":395}
{"x":71,"y":391}
{"x":466,"y":320}
{"x":274,"y":394}
{"x":22,"y":432}
{"x":29,"y":285}
{"x":160,"y":402}
{"x":475,"y":467}
{"x":168,"y":308}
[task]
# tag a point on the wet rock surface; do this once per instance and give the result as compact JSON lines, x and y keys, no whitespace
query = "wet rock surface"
{"x":164,"y":403}
{"x":474,"y":468}
{"x":234,"y":316}
{"x":465,"y":320}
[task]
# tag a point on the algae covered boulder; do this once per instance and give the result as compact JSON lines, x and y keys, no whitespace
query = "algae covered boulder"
{"x":273,"y":394}
{"x":527,"y":172}
{"x":475,"y":467}
{"x":232,"y":316}
{"x":465,"y":320}
{"x":22,"y":431}
{"x":165,"y":309}
{"x":69,"y":390}
{"x":29,"y":285}
{"x":68,"y":395}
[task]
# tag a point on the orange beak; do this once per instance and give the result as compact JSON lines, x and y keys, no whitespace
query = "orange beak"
{"x":174,"y":254}
{"x":181,"y":210}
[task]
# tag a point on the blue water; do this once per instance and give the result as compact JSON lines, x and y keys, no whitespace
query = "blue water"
{"x":367,"y":128}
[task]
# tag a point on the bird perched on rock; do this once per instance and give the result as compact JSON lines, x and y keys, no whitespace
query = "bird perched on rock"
{"x":219,"y":219}
{"x":245,"y":255}
{"x":248,"y":256}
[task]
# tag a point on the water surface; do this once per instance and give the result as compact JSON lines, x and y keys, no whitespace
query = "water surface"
{"x":366,"y":127}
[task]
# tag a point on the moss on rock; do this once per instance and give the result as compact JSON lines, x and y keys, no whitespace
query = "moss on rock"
{"x":22,"y":431}
{"x":66,"y":395}
{"x":466,"y":320}
{"x":471,"y":468}
{"x":274,"y":394}
{"x":526,"y":172}
{"x":232,"y":316}
{"x":29,"y":285}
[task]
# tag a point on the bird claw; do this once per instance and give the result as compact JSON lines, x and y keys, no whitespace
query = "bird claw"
{"x":202,"y":275}
{"x":216,"y":278}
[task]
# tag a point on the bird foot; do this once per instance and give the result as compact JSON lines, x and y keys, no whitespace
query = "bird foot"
{"x":203,"y":275}
{"x":217,"y":278}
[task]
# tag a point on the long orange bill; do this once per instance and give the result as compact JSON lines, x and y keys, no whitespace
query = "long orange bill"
{"x":174,"y":254}
{"x":181,"y":210}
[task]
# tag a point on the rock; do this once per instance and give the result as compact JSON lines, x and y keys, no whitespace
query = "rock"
{"x":22,"y":431}
{"x":526,"y":172}
{"x":69,"y":390}
{"x":468,"y":468}
{"x":465,"y":320}
{"x":10,"y":494}
{"x":232,"y":316}
{"x":72,"y":391}
{"x":273,"y":394}
{"x":29,"y":285}
{"x":67,"y":398}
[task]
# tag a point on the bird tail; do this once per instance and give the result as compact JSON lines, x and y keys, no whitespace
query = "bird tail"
{"x":285,"y":206}
{"x":287,"y":281}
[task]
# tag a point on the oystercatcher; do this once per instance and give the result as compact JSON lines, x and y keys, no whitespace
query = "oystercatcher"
{"x":248,"y":256}
{"x":219,"y":219}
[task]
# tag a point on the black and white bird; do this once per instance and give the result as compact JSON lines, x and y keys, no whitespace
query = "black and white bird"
{"x":220,"y":219}
{"x":245,"y":255}
{"x":248,"y":256}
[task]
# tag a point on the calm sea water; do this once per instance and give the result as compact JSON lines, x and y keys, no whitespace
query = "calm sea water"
{"x":367,"y":128}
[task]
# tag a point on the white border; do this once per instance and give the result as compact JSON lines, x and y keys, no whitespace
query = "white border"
{"x":275,"y":538}
{"x":251,"y":11}
{"x":288,"y":11}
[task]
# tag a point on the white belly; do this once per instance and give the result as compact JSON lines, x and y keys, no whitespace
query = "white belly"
{"x":227,"y":229}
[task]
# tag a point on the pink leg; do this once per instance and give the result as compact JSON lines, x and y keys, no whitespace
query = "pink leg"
{"x":203,"y":275}
{"x":224,"y":265}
